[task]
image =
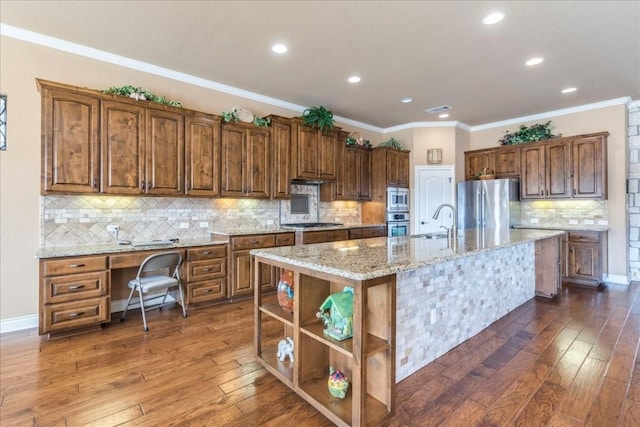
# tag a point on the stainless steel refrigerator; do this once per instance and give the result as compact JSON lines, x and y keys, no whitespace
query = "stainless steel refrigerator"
{"x":492,"y":203}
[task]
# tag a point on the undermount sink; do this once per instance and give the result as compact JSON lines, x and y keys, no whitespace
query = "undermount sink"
{"x":429,"y":236}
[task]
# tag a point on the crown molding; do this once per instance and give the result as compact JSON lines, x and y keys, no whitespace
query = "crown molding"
{"x":414,"y":125}
{"x":554,"y":113}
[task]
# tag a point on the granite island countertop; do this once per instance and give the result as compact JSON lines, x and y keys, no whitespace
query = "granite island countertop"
{"x":376,"y":257}
{"x":571,"y":227}
{"x":239,"y":231}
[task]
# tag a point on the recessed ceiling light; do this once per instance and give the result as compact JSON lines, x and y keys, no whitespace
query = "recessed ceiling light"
{"x":443,"y":116}
{"x":534,"y":61}
{"x":406,"y":100}
{"x":279,"y":48}
{"x":493,"y":18}
{"x":569,"y":90}
{"x":354,"y":79}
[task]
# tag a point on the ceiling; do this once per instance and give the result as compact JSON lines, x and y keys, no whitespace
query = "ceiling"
{"x":436,"y":52}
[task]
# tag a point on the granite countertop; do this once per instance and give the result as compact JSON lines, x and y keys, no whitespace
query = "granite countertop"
{"x":572,"y":227}
{"x":381,"y":256}
{"x":113,"y":248}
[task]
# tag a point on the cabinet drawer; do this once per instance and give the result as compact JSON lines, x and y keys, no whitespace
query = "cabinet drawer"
{"x":209,"y":252}
{"x":373,"y":232}
{"x":134,"y":259}
{"x":73,"y":265}
{"x":76,"y":314}
{"x":584,"y":236}
{"x":206,"y":291}
{"x":253,"y":242}
{"x":75,"y":287}
{"x":206,"y":269}
{"x":324,"y":236}
{"x":355,"y":233}
{"x":285,"y":239}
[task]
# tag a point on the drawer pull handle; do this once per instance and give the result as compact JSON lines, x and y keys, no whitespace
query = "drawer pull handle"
{"x":206,"y":253}
{"x":207,"y":291}
{"x":76,"y":265}
{"x":76,"y":287}
{"x":73,"y":315}
{"x":206,"y":269}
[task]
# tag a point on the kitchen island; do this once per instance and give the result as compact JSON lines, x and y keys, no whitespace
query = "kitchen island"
{"x":414,"y":300}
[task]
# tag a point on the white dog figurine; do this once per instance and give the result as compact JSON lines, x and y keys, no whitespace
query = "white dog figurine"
{"x":285,"y":348}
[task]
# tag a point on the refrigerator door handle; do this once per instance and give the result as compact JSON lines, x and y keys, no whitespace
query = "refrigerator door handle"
{"x":478,"y":208}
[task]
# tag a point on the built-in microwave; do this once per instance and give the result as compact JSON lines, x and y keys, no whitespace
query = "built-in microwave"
{"x":397,"y":199}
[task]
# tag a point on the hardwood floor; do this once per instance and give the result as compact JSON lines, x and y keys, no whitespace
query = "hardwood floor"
{"x":569,"y":362}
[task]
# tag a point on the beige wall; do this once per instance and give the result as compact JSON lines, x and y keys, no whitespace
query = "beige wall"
{"x":20,"y":224}
{"x":611,"y":119}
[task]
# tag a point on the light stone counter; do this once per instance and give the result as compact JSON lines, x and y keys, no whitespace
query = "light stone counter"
{"x":65,"y":251}
{"x":239,"y":231}
{"x":370,"y":258}
{"x":576,"y":227}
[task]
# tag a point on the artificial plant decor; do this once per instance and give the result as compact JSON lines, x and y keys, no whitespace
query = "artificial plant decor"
{"x":262,"y":122}
{"x":392,"y":142}
{"x":141,"y":94}
{"x":537,"y":132}
{"x":318,"y":117}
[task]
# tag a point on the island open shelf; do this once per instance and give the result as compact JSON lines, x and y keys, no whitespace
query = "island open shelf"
{"x":367,"y":359}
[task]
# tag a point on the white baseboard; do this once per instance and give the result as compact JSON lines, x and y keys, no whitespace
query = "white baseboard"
{"x":617,"y":279}
{"x":18,"y":323}
{"x":31,"y":321}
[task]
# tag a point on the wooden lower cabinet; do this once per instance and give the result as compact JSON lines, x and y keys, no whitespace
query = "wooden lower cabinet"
{"x":74,"y":293}
{"x":206,"y":275}
{"x":586,"y":257}
{"x":367,"y":359}
{"x":548,"y":267}
{"x":240,"y":283}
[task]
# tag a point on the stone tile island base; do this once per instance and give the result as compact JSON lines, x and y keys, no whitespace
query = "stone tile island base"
{"x":441,"y":305}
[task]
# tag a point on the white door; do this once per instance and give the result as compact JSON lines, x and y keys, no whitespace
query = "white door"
{"x":435,"y":185}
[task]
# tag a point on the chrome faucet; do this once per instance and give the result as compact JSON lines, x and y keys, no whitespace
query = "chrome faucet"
{"x":454,"y":225}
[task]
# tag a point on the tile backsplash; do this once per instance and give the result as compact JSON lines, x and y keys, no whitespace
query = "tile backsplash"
{"x":564,"y":213}
{"x":83,"y":220}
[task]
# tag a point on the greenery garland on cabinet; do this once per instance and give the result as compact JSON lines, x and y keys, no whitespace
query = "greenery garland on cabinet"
{"x":140,"y":94}
{"x":533,"y":133}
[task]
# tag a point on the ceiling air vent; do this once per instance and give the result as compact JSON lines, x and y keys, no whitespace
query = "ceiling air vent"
{"x":440,"y":109}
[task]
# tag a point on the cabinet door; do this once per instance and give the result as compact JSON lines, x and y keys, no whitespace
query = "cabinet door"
{"x":232,"y":159}
{"x":558,"y":165}
{"x":256,"y":166}
{"x":280,"y":160}
{"x":475,"y":162}
{"x":392,"y":168}
{"x":165,"y":152}
{"x":327,"y":156}
{"x":241,"y":284}
{"x":583,"y":262}
{"x":532,"y":180}
{"x":350,"y":178}
{"x":364,"y":174}
{"x":547,"y":265}
{"x":403,"y":169}
{"x":202,"y":164}
{"x":307,"y":148}
{"x":507,"y":162}
{"x":123,"y":148}
{"x":71,"y":157}
{"x":589,"y":164}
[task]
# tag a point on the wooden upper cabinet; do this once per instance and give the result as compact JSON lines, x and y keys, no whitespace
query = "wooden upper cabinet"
{"x":558,"y":170}
{"x":280,"y":157}
{"x":503,"y":161}
{"x":533,"y":176}
{"x":123,"y":147}
{"x":245,"y":161}
{"x":313,"y":153}
{"x":165,"y":152}
{"x":70,"y":146}
{"x":392,"y":165}
{"x":589,"y":167}
{"x":202,"y":165}
{"x":357,"y":177}
{"x":545,"y":171}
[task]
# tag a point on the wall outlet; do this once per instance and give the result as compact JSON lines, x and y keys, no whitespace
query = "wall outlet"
{"x":269,"y":222}
{"x":434,"y":316}
{"x":204,"y":224}
{"x":573,"y":221}
{"x":589,"y":221}
{"x":534,"y":220}
{"x":603,"y":222}
{"x":184,"y":225}
{"x":112,"y":228}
